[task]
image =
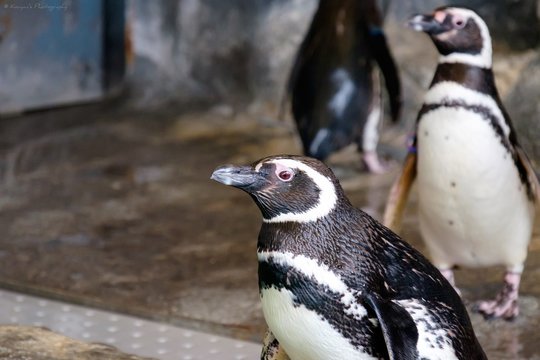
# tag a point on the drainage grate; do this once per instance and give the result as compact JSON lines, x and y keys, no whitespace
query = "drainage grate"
{"x":129,"y":334}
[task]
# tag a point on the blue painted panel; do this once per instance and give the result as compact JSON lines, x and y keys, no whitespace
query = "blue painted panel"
{"x":51,"y":53}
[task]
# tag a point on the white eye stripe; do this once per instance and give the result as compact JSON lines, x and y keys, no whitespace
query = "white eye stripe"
{"x":327,"y":195}
{"x":484,"y":59}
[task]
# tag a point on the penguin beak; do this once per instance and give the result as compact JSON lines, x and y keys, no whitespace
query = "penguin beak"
{"x":241,"y":177}
{"x":427,"y":24}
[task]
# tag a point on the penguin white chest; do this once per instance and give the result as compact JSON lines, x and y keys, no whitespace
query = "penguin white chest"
{"x":303,"y":333}
{"x":310,"y":310}
{"x":473,"y":208}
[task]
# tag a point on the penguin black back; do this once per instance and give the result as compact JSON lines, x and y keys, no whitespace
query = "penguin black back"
{"x":336,"y":284}
{"x":331,"y":84}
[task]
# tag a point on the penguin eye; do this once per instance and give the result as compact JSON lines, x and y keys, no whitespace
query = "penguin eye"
{"x":285,"y":175}
{"x":459,"y":23}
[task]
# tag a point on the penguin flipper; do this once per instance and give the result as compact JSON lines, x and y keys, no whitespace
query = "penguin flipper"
{"x":271,"y":348}
{"x":398,"y":327}
{"x":397,"y":199}
{"x":304,"y":54}
{"x":385,"y":61}
{"x":531,"y":174}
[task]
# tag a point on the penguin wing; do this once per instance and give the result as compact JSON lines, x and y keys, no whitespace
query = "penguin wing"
{"x":304,"y":54}
{"x":385,"y":61}
{"x":399,"y":193}
{"x":531,"y":174}
{"x":398,"y":327}
{"x":272,"y":350}
{"x":525,"y":168}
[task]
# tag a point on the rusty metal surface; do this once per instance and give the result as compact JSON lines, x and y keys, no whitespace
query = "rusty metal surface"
{"x":53,"y":52}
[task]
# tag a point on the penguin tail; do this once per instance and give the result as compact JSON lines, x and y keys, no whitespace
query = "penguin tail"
{"x":302,"y":56}
{"x":321,"y":146}
{"x":385,"y":61}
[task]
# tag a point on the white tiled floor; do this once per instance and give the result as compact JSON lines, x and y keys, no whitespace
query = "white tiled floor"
{"x":129,"y":334}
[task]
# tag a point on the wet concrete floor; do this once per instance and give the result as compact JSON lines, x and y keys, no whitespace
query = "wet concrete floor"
{"x":116,"y":210}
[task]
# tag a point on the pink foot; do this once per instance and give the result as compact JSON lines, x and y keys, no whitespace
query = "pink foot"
{"x":505,"y":305}
{"x":449,"y":275}
{"x":374,"y":165}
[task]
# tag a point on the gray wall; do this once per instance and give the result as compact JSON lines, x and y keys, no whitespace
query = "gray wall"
{"x":212,"y":50}
{"x":238,"y":52}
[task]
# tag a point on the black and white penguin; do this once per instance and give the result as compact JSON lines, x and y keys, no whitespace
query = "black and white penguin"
{"x":334,"y":283}
{"x":334,"y":90}
{"x":476,"y":186}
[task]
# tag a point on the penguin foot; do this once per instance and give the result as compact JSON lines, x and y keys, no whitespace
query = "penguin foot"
{"x":449,"y":275}
{"x":505,"y":305}
{"x":272,"y":350}
{"x":373,"y":164}
{"x":492,"y":309}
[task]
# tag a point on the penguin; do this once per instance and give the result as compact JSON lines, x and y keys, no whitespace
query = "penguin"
{"x":476,"y":186}
{"x":333,"y":87}
{"x":334,"y":283}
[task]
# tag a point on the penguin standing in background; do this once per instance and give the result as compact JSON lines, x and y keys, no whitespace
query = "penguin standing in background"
{"x":476,"y":187}
{"x":337,"y":285}
{"x":335,"y":92}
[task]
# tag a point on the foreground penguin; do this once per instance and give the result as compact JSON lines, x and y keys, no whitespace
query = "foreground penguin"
{"x":476,"y":186}
{"x":335,"y":93}
{"x":337,"y":285}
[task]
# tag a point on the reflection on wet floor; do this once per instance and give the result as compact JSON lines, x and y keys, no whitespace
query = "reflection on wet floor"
{"x":117,"y":211}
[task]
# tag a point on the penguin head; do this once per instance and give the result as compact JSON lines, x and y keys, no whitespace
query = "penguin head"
{"x":286,"y":187}
{"x":459,"y":34}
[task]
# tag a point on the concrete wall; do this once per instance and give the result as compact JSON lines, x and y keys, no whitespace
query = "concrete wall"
{"x":213,"y":50}
{"x":238,"y":52}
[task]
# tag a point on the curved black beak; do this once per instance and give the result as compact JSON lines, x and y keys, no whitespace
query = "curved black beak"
{"x":237,"y":176}
{"x":427,"y":24}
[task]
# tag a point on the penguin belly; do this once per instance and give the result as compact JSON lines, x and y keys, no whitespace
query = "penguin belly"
{"x":473,"y":207}
{"x":303,"y":333}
